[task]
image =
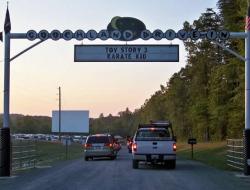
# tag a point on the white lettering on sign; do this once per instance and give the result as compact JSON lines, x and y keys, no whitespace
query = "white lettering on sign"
{"x":126,"y":53}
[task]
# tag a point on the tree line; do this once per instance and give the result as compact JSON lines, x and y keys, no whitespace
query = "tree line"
{"x":28,"y":124}
{"x":205,"y":99}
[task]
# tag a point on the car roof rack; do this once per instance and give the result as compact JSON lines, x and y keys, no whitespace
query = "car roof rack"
{"x":160,"y":122}
{"x":156,"y":124}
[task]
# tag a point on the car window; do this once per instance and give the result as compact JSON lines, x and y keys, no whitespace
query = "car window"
{"x":153,"y":135}
{"x":98,"y":139}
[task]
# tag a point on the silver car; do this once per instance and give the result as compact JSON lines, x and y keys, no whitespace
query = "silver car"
{"x":101,"y":145}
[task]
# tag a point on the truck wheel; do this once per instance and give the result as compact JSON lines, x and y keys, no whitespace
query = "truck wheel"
{"x":166,"y":164}
{"x":86,"y":158}
{"x":173,"y":164}
{"x":135,"y":164}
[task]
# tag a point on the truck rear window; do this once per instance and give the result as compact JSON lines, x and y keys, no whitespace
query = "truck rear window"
{"x":153,"y":135}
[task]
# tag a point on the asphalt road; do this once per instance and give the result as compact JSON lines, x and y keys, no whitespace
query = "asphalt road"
{"x":104,"y":174}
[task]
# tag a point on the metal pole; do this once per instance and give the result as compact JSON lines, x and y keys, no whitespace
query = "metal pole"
{"x":6,"y":80}
{"x":230,"y":51}
{"x":59,"y":113}
{"x":5,"y":148}
{"x":247,"y":97}
{"x":192,"y":151}
{"x":27,"y":49}
{"x":66,"y":148}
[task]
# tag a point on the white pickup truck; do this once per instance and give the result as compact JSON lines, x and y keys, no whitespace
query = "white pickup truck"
{"x":154,"y":143}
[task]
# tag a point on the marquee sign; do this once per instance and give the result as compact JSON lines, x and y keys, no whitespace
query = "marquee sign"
{"x":126,"y":53}
{"x":128,"y":35}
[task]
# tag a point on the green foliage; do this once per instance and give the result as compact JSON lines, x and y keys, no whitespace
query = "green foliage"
{"x":123,"y":124}
{"x":127,"y":23}
{"x":203,"y":152}
{"x":29,"y":124}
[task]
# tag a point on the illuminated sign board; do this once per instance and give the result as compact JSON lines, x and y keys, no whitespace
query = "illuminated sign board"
{"x":126,"y":53}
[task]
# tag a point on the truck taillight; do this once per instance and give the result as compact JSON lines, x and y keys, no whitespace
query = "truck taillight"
{"x":174,"y":147}
{"x":134,"y":147}
{"x":87,"y":145}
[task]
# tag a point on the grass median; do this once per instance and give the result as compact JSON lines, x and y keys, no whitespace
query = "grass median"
{"x":212,"y":153}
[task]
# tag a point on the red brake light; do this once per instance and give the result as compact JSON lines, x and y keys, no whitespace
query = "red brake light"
{"x":108,"y":145}
{"x":174,"y":147}
{"x":87,"y":145}
{"x":134,"y":147}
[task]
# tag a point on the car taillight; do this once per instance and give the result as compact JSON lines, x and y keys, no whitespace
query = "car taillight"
{"x":87,"y":145}
{"x":134,"y":147}
{"x":110,"y":145}
{"x":174,"y":147}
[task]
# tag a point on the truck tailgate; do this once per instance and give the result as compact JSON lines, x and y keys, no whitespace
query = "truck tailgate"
{"x":154,"y":147}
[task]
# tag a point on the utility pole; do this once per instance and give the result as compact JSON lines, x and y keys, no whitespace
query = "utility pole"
{"x":247,"y":96}
{"x":59,"y":112}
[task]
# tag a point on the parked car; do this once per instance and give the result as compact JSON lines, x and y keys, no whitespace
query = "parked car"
{"x":154,"y":143}
{"x":100,"y":145}
{"x":84,"y":138}
{"x":77,"y":139}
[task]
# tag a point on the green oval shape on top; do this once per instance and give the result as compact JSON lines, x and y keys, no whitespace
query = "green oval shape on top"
{"x":127,"y":23}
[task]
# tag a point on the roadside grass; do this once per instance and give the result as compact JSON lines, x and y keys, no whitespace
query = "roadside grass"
{"x":51,"y":152}
{"x":212,"y":153}
{"x":48,"y":153}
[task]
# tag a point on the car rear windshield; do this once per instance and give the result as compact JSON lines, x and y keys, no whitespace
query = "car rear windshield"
{"x":148,"y":134}
{"x":98,"y":139}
